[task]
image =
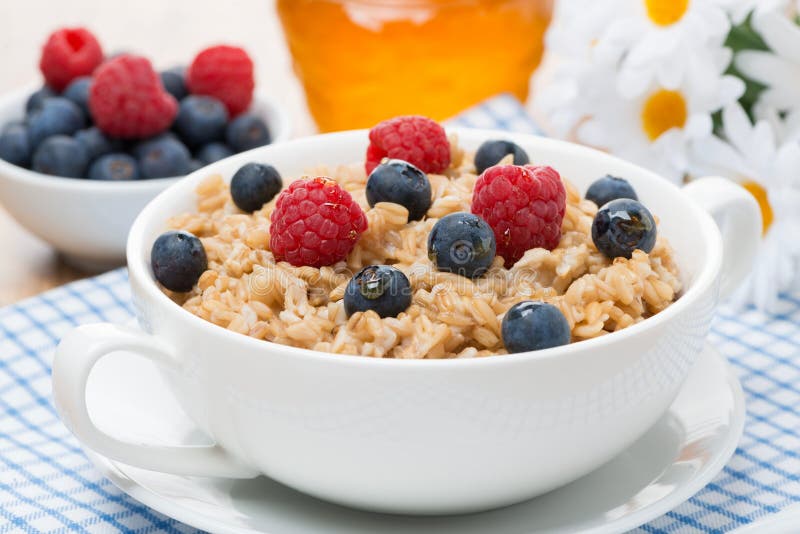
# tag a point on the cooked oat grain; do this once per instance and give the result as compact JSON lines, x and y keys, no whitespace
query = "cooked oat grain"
{"x":246,"y":291}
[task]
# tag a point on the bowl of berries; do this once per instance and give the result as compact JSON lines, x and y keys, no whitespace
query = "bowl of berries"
{"x":81,"y":155}
{"x":417,"y":320}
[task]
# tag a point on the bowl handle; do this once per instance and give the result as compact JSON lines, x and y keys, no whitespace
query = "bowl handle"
{"x":76,"y":355}
{"x":738,"y":216}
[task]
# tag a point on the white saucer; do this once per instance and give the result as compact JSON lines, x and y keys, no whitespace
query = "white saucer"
{"x":669,"y":464}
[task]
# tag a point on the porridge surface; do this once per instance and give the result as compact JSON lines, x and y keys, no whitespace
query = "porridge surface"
{"x":450,"y":316}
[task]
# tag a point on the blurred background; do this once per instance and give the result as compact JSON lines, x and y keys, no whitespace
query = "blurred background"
{"x":171,"y":32}
{"x":686,"y":89}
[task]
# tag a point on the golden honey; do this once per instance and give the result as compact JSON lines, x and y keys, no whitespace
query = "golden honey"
{"x":362,"y":61}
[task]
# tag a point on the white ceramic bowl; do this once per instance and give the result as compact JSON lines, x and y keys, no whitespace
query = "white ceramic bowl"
{"x":88,"y":220}
{"x":416,"y":436}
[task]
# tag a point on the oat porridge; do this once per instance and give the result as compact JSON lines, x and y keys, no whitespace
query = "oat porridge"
{"x":460,"y":265}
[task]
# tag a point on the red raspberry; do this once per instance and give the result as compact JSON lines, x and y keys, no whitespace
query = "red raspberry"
{"x":524,"y":206}
{"x":67,"y":54}
{"x":315,"y":223}
{"x":127,"y":99}
{"x":418,"y":140}
{"x":226,"y":73}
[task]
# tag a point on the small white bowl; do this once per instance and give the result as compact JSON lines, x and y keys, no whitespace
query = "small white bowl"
{"x":88,"y":220}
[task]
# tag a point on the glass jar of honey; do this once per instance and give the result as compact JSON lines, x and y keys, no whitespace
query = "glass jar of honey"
{"x":362,"y":61}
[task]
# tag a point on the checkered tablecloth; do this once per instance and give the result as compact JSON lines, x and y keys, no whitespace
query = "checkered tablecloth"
{"x":48,"y":485}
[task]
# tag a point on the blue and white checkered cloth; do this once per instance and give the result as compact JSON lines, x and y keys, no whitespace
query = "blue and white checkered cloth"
{"x":48,"y":485}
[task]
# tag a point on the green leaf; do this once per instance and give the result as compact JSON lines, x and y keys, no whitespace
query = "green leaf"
{"x":744,"y":37}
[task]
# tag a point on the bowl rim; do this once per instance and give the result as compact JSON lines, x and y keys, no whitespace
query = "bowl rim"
{"x":280,"y":131}
{"x":141,"y":275}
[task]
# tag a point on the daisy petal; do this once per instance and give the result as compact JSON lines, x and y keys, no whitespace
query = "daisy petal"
{"x":712,"y":155}
{"x":780,"y":34}
{"x":737,"y":126}
{"x":670,"y":75}
{"x":698,"y":126}
{"x":761,"y":66}
{"x":787,"y":162}
{"x":761,"y":149}
{"x":731,"y":89}
{"x":592,"y":133}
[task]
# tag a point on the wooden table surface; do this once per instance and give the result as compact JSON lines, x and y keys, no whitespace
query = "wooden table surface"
{"x":169,"y":33}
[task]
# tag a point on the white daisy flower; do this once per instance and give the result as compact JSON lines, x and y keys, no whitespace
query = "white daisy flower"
{"x":657,"y":41}
{"x":563,"y":93}
{"x":778,"y":69}
{"x":656,"y":128}
{"x":753,"y":157}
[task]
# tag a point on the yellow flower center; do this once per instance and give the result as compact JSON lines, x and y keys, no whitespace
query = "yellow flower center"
{"x":662,"y":111}
{"x":760,"y":194}
{"x":666,"y":12}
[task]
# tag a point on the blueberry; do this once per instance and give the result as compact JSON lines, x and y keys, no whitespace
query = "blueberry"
{"x":247,"y":131}
{"x":380,"y":288}
{"x":253,"y":185}
{"x":608,"y":188}
{"x":114,"y":167}
{"x":213,"y":152}
{"x":402,"y":183}
{"x":200,"y":120}
{"x":491,"y":152}
{"x":462,"y":243}
{"x":96,"y":142}
{"x":178,"y":259}
{"x":139,"y":148}
{"x":37,"y":98}
{"x":78,"y":92}
{"x":174,"y":82}
{"x":57,"y":116}
{"x":622,"y":226}
{"x":534,"y":325}
{"x":61,"y":155}
{"x":163,"y":157}
{"x":195,"y":165}
{"x":15,"y":146}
